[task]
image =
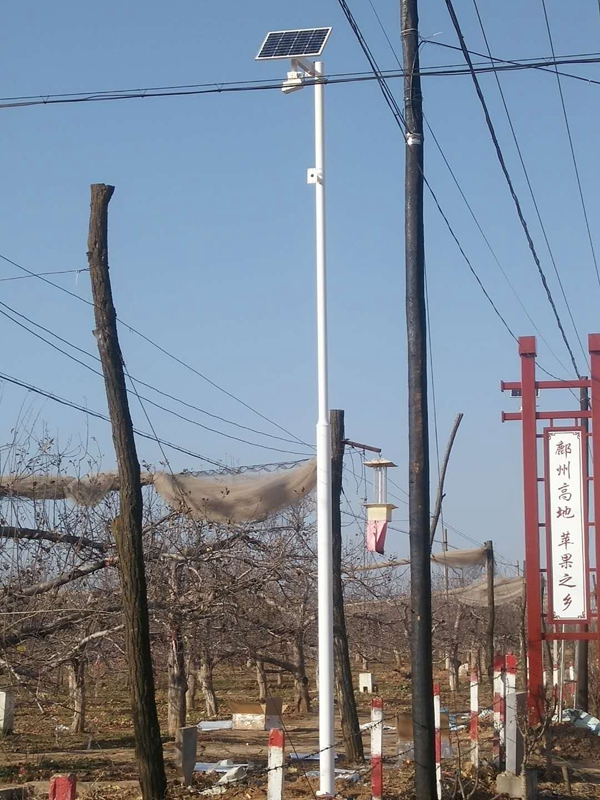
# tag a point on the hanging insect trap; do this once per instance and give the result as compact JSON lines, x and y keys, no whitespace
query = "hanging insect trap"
{"x":379,"y":512}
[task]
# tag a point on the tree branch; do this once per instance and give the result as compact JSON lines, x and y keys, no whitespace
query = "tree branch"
{"x":10,"y":532}
{"x":440,"y":493}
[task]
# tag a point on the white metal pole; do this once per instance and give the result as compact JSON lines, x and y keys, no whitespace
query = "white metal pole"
{"x":325,"y":582}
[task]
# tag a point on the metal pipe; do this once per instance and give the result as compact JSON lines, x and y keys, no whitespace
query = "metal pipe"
{"x":324,"y":549}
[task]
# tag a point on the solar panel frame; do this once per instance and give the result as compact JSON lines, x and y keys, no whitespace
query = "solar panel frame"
{"x":293,"y":44}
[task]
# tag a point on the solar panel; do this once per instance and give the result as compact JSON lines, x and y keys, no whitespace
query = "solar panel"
{"x":293,"y":44}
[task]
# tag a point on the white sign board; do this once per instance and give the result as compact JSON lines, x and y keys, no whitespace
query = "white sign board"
{"x":566,"y":524}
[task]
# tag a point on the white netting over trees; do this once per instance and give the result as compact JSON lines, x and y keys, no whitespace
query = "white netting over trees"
{"x":506,"y":590}
{"x":216,"y":498}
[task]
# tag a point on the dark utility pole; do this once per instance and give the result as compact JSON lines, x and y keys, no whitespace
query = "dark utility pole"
{"x":418,"y":442}
{"x":581,"y":652}
{"x":347,"y":702}
{"x":491,"y":602}
{"x":127,"y":528}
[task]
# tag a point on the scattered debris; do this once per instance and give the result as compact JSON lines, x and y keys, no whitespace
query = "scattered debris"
{"x":348,"y":775}
{"x":223,"y":766}
{"x":581,"y":719}
{"x":215,"y":725}
{"x":233,"y":775}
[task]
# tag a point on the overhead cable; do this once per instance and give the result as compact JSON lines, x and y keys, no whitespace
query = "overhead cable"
{"x":513,"y":193}
{"x":530,"y":186}
{"x":572,"y":149}
{"x":401,"y":122}
{"x":240,"y":87}
{"x":146,"y":399}
{"x":157,"y":346}
{"x":89,"y":412}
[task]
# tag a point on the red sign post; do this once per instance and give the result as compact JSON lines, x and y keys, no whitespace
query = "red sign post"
{"x":558,"y":443}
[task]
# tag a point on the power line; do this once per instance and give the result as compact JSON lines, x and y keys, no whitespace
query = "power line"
{"x":508,"y":65}
{"x":572,"y":148}
{"x":400,"y":121}
{"x":530,"y":186}
{"x":158,"y":347}
{"x":385,"y":89}
{"x":97,"y":372}
{"x":70,"y":404}
{"x":460,"y":189}
{"x":138,"y":380}
{"x":238,"y":87}
{"x":39,"y":274}
{"x":470,"y":208}
{"x":506,"y":173}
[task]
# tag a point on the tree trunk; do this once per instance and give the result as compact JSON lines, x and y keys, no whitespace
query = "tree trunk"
{"x":302,"y":693}
{"x":127,"y":528}
{"x":177,"y":684}
{"x":261,"y":679}
{"x":76,"y":672}
{"x":353,"y":744}
{"x":300,"y":679}
{"x":176,"y":662}
{"x":453,"y":664}
{"x":206,"y":684}
{"x":454,"y":659}
{"x":280,"y":678}
{"x":192,"y":685}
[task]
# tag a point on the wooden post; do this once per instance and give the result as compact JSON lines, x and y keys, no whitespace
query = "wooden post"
{"x":377,"y":748}
{"x":353,"y":743}
{"x":276,"y":762}
{"x":491,"y":621}
{"x":127,"y":528}
{"x":418,"y":421}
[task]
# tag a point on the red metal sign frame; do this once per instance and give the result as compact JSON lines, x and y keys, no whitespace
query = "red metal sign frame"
{"x":529,"y":416}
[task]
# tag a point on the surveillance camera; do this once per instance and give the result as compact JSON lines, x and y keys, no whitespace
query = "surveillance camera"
{"x":294,"y":82}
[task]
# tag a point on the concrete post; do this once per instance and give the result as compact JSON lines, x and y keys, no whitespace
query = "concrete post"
{"x":7,"y":713}
{"x":377,"y":748}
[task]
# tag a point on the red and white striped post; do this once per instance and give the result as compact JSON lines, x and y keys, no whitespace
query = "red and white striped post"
{"x":276,"y":760}
{"x":474,"y":726}
{"x":499,"y":710}
{"x":511,"y":713}
{"x":377,"y":748}
{"x":63,"y":787}
{"x":437,"y":710}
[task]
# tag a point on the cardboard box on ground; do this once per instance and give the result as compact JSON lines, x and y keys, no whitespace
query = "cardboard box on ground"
{"x":257,"y":716}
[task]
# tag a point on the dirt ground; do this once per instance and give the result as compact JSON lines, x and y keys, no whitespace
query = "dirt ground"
{"x":103,"y":758}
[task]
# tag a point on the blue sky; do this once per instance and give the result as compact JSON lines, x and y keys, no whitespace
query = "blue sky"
{"x":212,"y":228}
